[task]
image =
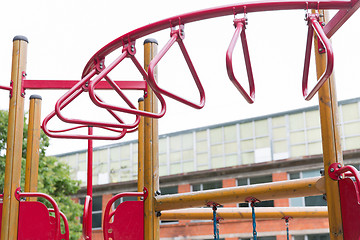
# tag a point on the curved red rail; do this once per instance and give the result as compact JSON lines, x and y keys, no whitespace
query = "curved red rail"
{"x":212,"y":13}
{"x":177,"y":35}
{"x":86,"y":222}
{"x":315,"y":25}
{"x":240,"y":31}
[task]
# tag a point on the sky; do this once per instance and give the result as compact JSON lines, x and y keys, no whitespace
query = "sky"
{"x":64,"y":35}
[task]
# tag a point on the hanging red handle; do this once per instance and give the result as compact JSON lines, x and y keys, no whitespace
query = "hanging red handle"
{"x":240,"y":32}
{"x":128,"y":51}
{"x":314,"y":25}
{"x":86,"y":222}
{"x":177,"y":35}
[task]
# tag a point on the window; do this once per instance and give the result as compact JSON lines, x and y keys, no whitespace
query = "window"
{"x":306,"y":201}
{"x":256,"y":180}
{"x":166,"y":191}
{"x":206,"y":186}
{"x":324,"y":236}
{"x":260,"y":238}
{"x":96,"y":211}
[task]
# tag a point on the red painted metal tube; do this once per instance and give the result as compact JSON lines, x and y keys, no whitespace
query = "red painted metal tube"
{"x":68,"y":84}
{"x":5,"y":88}
{"x":87,"y":215}
{"x":177,"y":35}
{"x":127,"y":52}
{"x":213,"y":13}
{"x":240,"y":31}
{"x":315,"y":25}
{"x":66,"y":235}
{"x":108,"y":215}
{"x":87,"y":219}
{"x":19,"y":195}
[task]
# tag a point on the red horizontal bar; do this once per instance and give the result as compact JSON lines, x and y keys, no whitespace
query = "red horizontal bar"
{"x":67,"y":84}
{"x":213,"y":13}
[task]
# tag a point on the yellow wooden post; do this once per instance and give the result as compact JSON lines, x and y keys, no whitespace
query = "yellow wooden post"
{"x":330,"y":141}
{"x":150,"y":174}
{"x":33,"y":144}
{"x":140,"y":184}
{"x":10,"y":213}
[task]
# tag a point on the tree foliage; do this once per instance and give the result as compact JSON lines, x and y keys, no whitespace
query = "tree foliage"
{"x":54,"y":177}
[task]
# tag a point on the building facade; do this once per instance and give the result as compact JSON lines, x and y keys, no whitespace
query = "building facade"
{"x":269,"y":148}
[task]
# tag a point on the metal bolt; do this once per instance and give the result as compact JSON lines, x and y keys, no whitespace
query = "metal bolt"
{"x":339,"y":165}
{"x":323,"y":24}
{"x":332,"y":169}
{"x":158,"y":214}
{"x":22,"y":94}
{"x":23,"y":75}
{"x":157,"y":193}
{"x":101,"y":66}
{"x":320,"y":49}
{"x":321,"y":15}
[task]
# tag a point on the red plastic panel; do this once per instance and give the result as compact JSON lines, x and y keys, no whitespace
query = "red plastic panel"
{"x":35,"y":222}
{"x":350,"y":208}
{"x":128,"y":221}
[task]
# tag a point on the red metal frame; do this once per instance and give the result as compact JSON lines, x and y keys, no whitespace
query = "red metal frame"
{"x":126,"y":213}
{"x":314,"y":25}
{"x":128,"y":51}
{"x":66,"y":234}
{"x":87,"y":220}
{"x":240,"y":31}
{"x":177,"y":35}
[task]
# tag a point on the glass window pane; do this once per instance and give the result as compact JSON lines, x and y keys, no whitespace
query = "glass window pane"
{"x":82,"y":166}
{"x":96,"y":220}
{"x":325,"y":236}
{"x":212,"y":185}
{"x":263,"y":142}
{"x":315,"y":148}
{"x":352,"y":143}
{"x":196,"y":187}
{"x":125,"y":164}
{"x":261,"y":128}
{"x":246,"y":130}
{"x":247,"y":145}
{"x":188,"y":166}
{"x":278,"y":121}
{"x":97,"y":203}
{"x":311,"y":173}
{"x":350,"y":112}
{"x":296,"y":202}
{"x":230,"y":148}
{"x":279,"y":133}
{"x":115,"y":154}
{"x":187,"y":141}
{"x":188,"y":155}
{"x":82,"y":157}
{"x":312,"y":119}
{"x":297,"y":137}
{"x":163,"y":170}
{"x":314,"y":135}
{"x":169,"y":190}
{"x":202,"y":159}
{"x":231,"y":160}
{"x":217,"y":162}
{"x":351,"y":129}
{"x":294,"y":176}
{"x":261,"y":179}
{"x":201,"y":146}
{"x":269,"y":203}
{"x":242,"y":182}
{"x":247,"y":158}
{"x":230,"y":133}
{"x":217,"y":150}
{"x":201,"y":135}
{"x":125,"y":152}
{"x":280,"y":146}
{"x":162,"y":145}
{"x":175,"y":157}
{"x":315,"y":201}
{"x":297,"y":151}
{"x":175,"y":168}
{"x":175,"y":143}
{"x":216,"y":135}
{"x":296,"y":121}
{"x":162,"y":159}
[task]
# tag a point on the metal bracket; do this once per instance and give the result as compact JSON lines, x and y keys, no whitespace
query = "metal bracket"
{"x":23,"y":78}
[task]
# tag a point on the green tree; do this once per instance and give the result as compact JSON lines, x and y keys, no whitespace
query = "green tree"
{"x":54,"y":177}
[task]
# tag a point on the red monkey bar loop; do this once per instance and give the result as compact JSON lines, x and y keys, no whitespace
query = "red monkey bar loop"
{"x":240,"y":31}
{"x":177,"y":35}
{"x":128,"y":51}
{"x":314,"y":25}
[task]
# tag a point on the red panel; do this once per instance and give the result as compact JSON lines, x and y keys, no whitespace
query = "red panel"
{"x":350,"y":209}
{"x":128,"y":221}
{"x":35,"y":222}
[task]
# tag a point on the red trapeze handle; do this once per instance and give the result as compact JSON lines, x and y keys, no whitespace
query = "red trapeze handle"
{"x":86,"y":220}
{"x":109,"y":214}
{"x":314,"y":25}
{"x":74,"y":92}
{"x":55,"y":134}
{"x":240,"y":31}
{"x":176,"y":36}
{"x":19,"y":195}
{"x":128,"y":51}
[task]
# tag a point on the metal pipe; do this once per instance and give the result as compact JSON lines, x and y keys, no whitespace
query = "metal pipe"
{"x":245,"y":213}
{"x":10,"y":212}
{"x":33,"y":144}
{"x":140,"y":183}
{"x":267,"y":191}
